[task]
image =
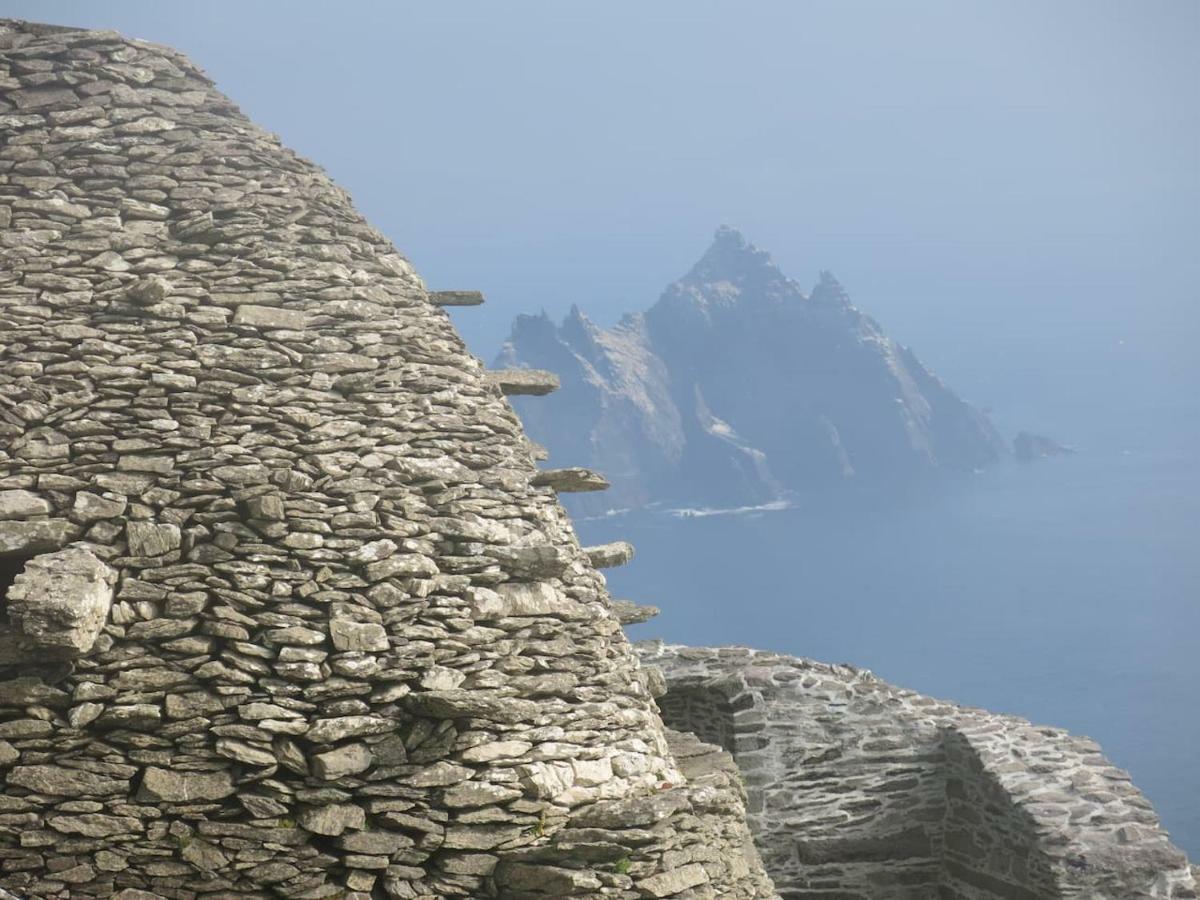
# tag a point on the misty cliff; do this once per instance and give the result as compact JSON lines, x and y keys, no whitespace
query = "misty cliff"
{"x":737,"y":388}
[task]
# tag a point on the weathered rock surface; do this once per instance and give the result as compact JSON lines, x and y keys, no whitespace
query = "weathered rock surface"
{"x":611,"y":555}
{"x":529,"y":382}
{"x":57,"y":606}
{"x":857,"y":788}
{"x":354,"y":648}
{"x":737,"y":388}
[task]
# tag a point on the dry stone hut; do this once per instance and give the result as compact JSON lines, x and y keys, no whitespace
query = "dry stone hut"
{"x":287,"y":608}
{"x":860,"y":789}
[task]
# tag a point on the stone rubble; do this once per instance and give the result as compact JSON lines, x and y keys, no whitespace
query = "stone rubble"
{"x":323,"y":630}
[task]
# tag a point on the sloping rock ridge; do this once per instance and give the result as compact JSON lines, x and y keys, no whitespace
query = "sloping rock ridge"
{"x":862,"y":790}
{"x":737,"y":388}
{"x":289,"y":610}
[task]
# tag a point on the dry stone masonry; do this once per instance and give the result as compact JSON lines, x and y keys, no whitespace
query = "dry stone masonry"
{"x":287,"y":609}
{"x":859,"y":790}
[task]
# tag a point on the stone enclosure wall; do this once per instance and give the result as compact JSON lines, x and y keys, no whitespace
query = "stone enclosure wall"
{"x":859,"y":790}
{"x":287,"y":608}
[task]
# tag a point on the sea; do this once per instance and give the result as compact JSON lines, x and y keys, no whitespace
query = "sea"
{"x":1066,"y":591}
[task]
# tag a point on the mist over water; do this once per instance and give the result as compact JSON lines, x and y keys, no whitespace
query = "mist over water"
{"x":1064,"y":591}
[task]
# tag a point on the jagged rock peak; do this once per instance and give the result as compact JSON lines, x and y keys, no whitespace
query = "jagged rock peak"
{"x":732,"y":271}
{"x":735,"y":386}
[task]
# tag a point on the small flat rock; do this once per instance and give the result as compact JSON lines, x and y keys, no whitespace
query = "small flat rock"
{"x":630,"y":613}
{"x":456,"y":298}
{"x":462,"y":704}
{"x":523,"y":382}
{"x":21,"y":504}
{"x":611,"y":555}
{"x":61,"y":781}
{"x":163,"y":785}
{"x":149,"y":539}
{"x":333,"y":819}
{"x":342,"y":762}
{"x":667,"y":884}
{"x":36,"y":535}
{"x":573,"y":480}
{"x":270,"y":317}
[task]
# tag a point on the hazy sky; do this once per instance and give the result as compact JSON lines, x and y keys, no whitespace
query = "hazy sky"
{"x":987,"y":178}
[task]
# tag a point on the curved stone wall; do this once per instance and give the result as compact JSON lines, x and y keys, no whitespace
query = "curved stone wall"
{"x":859,"y":790}
{"x":354,"y":648}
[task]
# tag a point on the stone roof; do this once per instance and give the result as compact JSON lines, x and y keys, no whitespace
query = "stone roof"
{"x":348,"y":644}
{"x":864,"y":789}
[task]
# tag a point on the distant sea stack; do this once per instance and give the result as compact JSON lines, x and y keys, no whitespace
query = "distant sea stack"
{"x":737,"y":388}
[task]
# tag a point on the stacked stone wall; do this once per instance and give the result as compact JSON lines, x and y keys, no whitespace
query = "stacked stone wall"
{"x":859,"y":790}
{"x":298,"y":615}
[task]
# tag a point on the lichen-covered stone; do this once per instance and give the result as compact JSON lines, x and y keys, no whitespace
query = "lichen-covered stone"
{"x":57,"y":605}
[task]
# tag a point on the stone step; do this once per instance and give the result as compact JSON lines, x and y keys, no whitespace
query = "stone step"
{"x":518,"y":382}
{"x":456,"y":298}
{"x":573,"y":480}
{"x":611,"y":555}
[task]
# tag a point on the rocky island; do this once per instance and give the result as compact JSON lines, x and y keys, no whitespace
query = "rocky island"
{"x":290,"y":611}
{"x":737,"y":388}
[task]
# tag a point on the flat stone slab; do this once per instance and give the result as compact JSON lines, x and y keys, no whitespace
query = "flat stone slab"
{"x":630,"y":613}
{"x":611,"y":555}
{"x":571,"y":481}
{"x":524,"y":382}
{"x":456,"y":298}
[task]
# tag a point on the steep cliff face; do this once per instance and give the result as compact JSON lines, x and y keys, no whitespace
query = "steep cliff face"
{"x":737,"y":387}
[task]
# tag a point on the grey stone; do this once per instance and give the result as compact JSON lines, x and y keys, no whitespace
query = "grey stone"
{"x":344,"y":761}
{"x":60,"y":601}
{"x":20,"y":504}
{"x":64,"y":781}
{"x":571,"y":480}
{"x":163,"y":785}
{"x":35,"y":535}
{"x":270,"y":317}
{"x":456,"y":298}
{"x":608,"y":556}
{"x":517,"y":382}
{"x":151,"y":539}
{"x":333,"y":819}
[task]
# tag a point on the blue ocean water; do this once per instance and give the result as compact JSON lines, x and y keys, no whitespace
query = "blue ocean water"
{"x":1066,"y":591}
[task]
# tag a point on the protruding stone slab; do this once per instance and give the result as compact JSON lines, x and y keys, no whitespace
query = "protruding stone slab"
{"x":611,"y":555}
{"x":524,"y":382}
{"x":630,"y":613}
{"x":456,"y":298}
{"x":571,"y":481}
{"x":58,"y":604}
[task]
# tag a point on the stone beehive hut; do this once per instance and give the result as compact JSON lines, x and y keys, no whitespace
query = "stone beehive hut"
{"x":287,"y":608}
{"x":860,"y":789}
